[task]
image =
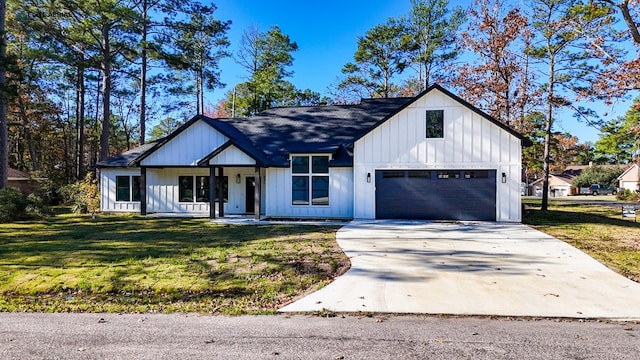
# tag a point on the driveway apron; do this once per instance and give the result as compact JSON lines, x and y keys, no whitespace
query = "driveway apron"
{"x":469,"y":268}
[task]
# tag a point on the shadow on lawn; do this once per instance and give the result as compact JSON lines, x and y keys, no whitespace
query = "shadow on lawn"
{"x":568,"y":213}
{"x":108,"y":239}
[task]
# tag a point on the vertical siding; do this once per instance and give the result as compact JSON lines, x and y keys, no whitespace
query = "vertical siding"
{"x":108,"y":201}
{"x":470,"y":142}
{"x":279,"y":204}
{"x":162,"y":190}
{"x":190,"y":146}
{"x":232,"y":156}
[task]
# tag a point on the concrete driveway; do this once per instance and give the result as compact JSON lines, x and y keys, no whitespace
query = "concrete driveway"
{"x":470,"y":269}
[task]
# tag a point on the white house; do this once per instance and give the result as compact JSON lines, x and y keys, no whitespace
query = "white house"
{"x":433,"y":156}
{"x":559,"y":185}
{"x":630,"y":178}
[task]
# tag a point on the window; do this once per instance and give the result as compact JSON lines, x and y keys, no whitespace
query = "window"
{"x":477,"y":174}
{"x":435,"y":124}
{"x":300,"y":190}
{"x":124,"y":189}
{"x":420,"y":174}
{"x":392,"y":174}
{"x":448,"y":174}
{"x":300,"y":164}
{"x":202,"y":189}
{"x":311,"y":178}
{"x":135,"y":190}
{"x":199,"y":186}
{"x":185,"y":192}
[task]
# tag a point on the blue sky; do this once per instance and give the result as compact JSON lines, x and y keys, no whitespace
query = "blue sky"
{"x":326,"y":33}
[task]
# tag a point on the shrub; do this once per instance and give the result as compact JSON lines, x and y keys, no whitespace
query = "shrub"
{"x":13,"y":205}
{"x":83,"y":196}
{"x":16,"y":206}
{"x":627,"y":195}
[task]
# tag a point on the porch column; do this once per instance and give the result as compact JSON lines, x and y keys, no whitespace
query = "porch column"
{"x":212,"y":192}
{"x":143,"y":190}
{"x":221,"y":195}
{"x":257,"y":194}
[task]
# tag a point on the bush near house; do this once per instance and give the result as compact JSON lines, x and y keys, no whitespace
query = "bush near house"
{"x":598,"y":175}
{"x":15,"y":205}
{"x":83,"y":196}
{"x":627,"y":195}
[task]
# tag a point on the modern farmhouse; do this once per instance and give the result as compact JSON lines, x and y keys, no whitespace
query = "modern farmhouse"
{"x":433,"y":156}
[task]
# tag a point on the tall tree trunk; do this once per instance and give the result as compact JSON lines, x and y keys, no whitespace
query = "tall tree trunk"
{"x":143,"y":74}
{"x":106,"y":94}
{"x":80,"y":91}
{"x":547,"y":136}
{"x":4,"y":129}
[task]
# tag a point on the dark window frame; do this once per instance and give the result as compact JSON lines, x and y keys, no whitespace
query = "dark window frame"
{"x":434,"y":124}
{"x":131,"y":190}
{"x":123,"y":191}
{"x":199,"y":188}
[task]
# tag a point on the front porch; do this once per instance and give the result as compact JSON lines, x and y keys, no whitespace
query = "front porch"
{"x":190,"y":191}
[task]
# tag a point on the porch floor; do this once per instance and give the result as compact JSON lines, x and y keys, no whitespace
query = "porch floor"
{"x":248,"y":220}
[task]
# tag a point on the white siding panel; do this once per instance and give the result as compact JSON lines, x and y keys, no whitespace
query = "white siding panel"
{"x":190,"y":146}
{"x":232,"y":156}
{"x":470,"y":142}
{"x":108,"y":201}
{"x":279,"y":202}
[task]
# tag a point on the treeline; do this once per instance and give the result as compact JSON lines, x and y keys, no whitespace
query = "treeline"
{"x":84,"y":77}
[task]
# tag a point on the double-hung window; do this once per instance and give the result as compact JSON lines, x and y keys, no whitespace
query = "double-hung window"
{"x":310,"y":180}
{"x":128,"y":188}
{"x":196,"y":188}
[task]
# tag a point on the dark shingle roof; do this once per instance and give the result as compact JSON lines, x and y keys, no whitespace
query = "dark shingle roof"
{"x":319,"y":129}
{"x":127,"y":158}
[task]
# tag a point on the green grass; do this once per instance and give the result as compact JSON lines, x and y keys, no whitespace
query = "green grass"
{"x":597,"y":230}
{"x":126,"y":263}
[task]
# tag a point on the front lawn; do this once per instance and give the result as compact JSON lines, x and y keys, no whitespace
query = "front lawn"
{"x":126,"y":263}
{"x":597,"y":230}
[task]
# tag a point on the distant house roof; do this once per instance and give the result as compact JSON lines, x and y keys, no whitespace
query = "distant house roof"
{"x":575,"y":170}
{"x":17,"y":175}
{"x":628,"y":170}
{"x":557,"y":179}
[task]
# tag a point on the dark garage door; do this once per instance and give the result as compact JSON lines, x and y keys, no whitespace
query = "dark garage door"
{"x":436,"y":194}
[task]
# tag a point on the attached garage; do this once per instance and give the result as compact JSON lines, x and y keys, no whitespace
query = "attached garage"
{"x":436,"y":194}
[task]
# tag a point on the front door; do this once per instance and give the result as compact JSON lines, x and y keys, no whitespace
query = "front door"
{"x":250,"y":191}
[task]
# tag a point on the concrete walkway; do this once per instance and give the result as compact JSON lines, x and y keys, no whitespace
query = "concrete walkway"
{"x":470,"y":269}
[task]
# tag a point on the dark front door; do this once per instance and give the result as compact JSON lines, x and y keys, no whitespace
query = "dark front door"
{"x":250,"y":191}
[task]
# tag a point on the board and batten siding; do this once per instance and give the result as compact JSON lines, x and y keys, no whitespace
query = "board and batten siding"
{"x":278,"y":195}
{"x":188,"y":147}
{"x":162,"y":191}
{"x":232,"y":156}
{"x":108,"y":201}
{"x":470,"y":142}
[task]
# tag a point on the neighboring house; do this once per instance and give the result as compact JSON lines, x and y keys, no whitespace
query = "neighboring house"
{"x":21,"y":181}
{"x":433,"y":156}
{"x":630,"y":179}
{"x":559,"y":185}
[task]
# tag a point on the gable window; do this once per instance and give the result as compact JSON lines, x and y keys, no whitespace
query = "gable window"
{"x":127,"y":188}
{"x":435,"y":124}
{"x":310,"y":182}
{"x":196,"y":188}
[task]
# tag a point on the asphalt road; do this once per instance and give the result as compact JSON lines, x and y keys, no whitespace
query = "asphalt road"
{"x":180,"y":336}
